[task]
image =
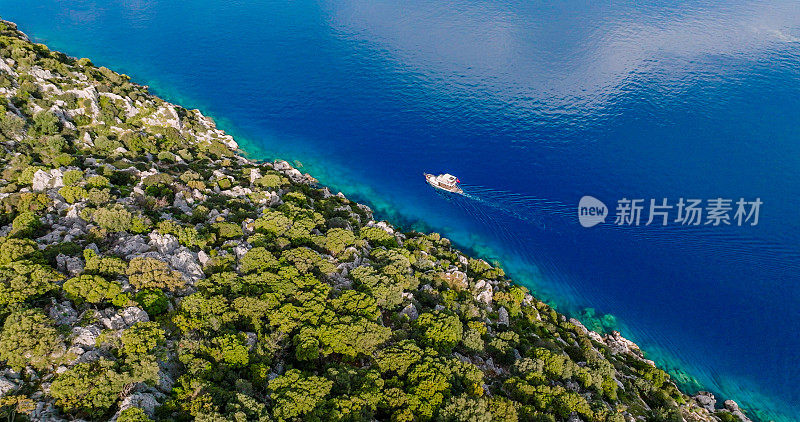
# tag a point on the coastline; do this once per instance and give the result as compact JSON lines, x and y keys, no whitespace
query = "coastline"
{"x":614,"y":340}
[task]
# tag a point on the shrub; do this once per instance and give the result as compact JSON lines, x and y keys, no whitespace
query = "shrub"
{"x":26,"y":177}
{"x":151,"y":273}
{"x":25,"y":224}
{"x":141,"y":338}
{"x":257,"y":259}
{"x":105,"y":145}
{"x":92,"y":388}
{"x":153,"y":301}
{"x":157,"y":179}
{"x":378,"y":237}
{"x":24,"y":280}
{"x":98,"y":196}
{"x":269,"y":181}
{"x":224,"y":183}
{"x":29,"y":339}
{"x":133,"y":414}
{"x":73,"y":194}
{"x":97,"y":182}
{"x":228,"y":230}
{"x":108,"y":266}
{"x":46,"y":123}
{"x":91,"y":288}
{"x":113,"y":219}
{"x":166,"y":156}
{"x":72,"y":177}
{"x":337,"y":240}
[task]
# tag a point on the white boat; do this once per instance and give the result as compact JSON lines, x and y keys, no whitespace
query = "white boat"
{"x":446,"y":182}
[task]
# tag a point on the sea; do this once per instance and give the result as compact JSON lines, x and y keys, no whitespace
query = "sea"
{"x":645,"y":106}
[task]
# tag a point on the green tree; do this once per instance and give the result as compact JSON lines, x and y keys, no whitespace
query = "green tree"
{"x":12,"y":250}
{"x":153,"y":301}
{"x":141,"y":338}
{"x":92,"y":288}
{"x":466,"y":409}
{"x":113,"y":219}
{"x":46,"y":123}
{"x":398,"y":357}
{"x":29,"y":338}
{"x":107,"y":266}
{"x":230,"y":350}
{"x":296,"y":395}
{"x":133,"y":414}
{"x":92,"y":388}
{"x":151,"y":273}
{"x":24,"y":280}
{"x":387,"y":295}
{"x":440,"y":329}
{"x":378,"y":237}
{"x":256,"y":260}
{"x":338,"y":239}
{"x":25,"y":224}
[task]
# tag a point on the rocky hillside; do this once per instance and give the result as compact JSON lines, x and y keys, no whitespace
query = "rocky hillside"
{"x":150,"y":271}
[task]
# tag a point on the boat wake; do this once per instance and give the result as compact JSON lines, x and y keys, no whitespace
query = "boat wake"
{"x":543,"y":213}
{"x":502,"y":213}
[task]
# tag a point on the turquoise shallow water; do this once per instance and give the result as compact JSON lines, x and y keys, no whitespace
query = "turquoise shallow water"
{"x":532,"y":105}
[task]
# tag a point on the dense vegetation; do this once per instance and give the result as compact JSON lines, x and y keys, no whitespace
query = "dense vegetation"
{"x":149,"y":271}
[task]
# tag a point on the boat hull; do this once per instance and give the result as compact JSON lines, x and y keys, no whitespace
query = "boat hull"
{"x":431,"y":180}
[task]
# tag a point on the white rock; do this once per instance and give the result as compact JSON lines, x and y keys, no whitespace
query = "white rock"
{"x":457,"y":279}
{"x":145,"y":401}
{"x":252,"y":339}
{"x":6,"y":386}
{"x":483,"y":292}
{"x":131,"y":245}
{"x":203,"y":258}
{"x":41,"y":180}
{"x":133,"y":314}
{"x":69,"y":264}
{"x":410,"y":311}
{"x":89,"y":356}
{"x":706,"y":400}
{"x":86,"y":336}
{"x":254,"y":175}
{"x":240,"y":250}
{"x":165,"y":381}
{"x":385,"y":226}
{"x":113,"y":322}
{"x":75,"y":350}
{"x":63,"y":313}
{"x":182,"y":204}
{"x":185,"y":262}
{"x":164,"y":243}
{"x":72,"y":213}
{"x":236,"y":191}
{"x":87,"y":140}
{"x":733,"y":407}
{"x":281,"y":165}
{"x":502,"y":316}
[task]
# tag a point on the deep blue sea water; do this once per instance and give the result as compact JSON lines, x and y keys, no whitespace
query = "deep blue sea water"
{"x":532,"y":105}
